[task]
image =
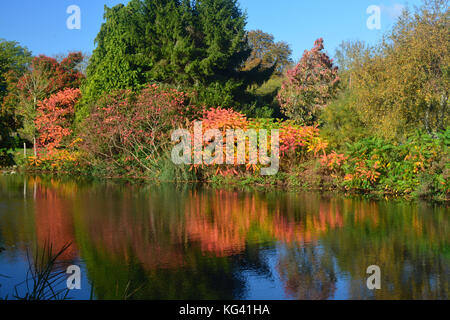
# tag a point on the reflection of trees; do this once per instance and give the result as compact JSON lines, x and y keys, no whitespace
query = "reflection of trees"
{"x":308,"y":274}
{"x":220,"y":221}
{"x":194,"y":243}
{"x":136,"y":240}
{"x":130,"y":227}
{"x":407,"y":241}
{"x":223,"y":221}
{"x":54,"y":225}
{"x":16,"y":212}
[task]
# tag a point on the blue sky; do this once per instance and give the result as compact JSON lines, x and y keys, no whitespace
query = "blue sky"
{"x":41,"y":25}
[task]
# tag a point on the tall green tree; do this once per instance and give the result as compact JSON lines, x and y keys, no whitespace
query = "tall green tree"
{"x":13,"y":63}
{"x":14,"y":60}
{"x":200,"y":44}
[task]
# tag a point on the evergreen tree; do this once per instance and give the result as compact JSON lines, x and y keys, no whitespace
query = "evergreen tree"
{"x":200,"y":44}
{"x":13,"y":63}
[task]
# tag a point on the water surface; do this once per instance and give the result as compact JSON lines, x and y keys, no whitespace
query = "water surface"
{"x":190,"y":242}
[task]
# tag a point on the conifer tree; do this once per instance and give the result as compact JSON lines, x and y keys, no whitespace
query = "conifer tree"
{"x":200,"y":44}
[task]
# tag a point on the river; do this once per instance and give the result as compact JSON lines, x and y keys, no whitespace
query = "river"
{"x":139,"y":241}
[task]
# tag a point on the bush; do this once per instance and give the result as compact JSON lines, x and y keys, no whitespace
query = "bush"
{"x":341,"y":122}
{"x":130,"y":131}
{"x":296,"y":142}
{"x":55,"y":117}
{"x":419,"y":166}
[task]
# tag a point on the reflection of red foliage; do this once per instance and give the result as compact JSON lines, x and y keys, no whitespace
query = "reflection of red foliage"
{"x":54,"y":222}
{"x":221,"y":222}
{"x":145,"y":237}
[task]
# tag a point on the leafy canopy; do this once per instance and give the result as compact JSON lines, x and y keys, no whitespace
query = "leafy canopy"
{"x":403,"y":83}
{"x":200,"y":44}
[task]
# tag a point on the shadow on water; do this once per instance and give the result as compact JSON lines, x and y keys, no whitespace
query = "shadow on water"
{"x":135,"y":241}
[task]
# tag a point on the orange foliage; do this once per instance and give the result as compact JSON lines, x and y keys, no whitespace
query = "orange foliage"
{"x":54,"y":118}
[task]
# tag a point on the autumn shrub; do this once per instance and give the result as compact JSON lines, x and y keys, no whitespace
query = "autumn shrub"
{"x":296,"y":143}
{"x":309,"y":86}
{"x":128,"y":131}
{"x":221,"y":119}
{"x":59,"y":161}
{"x":419,"y":166}
{"x":55,"y":146}
{"x":54,"y":119}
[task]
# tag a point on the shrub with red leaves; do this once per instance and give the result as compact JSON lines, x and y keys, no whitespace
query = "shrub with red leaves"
{"x":136,"y":126}
{"x":54,"y":118}
{"x":309,"y":85}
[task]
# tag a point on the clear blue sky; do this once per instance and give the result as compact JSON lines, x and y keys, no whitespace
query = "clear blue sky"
{"x":41,"y":25}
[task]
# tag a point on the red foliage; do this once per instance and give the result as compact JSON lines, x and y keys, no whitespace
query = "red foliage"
{"x":47,"y":75}
{"x":333,"y":161}
{"x":54,"y":118}
{"x":223,"y":119}
{"x":294,"y":138}
{"x":309,"y":85}
{"x":136,"y":124}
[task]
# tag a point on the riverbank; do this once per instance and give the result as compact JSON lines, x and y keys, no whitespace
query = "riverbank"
{"x":301,"y":180}
{"x":418,"y":168}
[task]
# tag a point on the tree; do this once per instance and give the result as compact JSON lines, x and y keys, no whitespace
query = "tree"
{"x":350,"y":55}
{"x":404,"y":84}
{"x":200,"y":44}
{"x":45,"y":76}
{"x":267,"y":52}
{"x":309,"y":86}
{"x":13,"y":63}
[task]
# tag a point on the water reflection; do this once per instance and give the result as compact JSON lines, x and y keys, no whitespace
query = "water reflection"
{"x":168,"y":242}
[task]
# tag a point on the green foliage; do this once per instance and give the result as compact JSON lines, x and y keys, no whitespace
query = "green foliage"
{"x":199,"y":44}
{"x":13,"y":62}
{"x":403,"y":83}
{"x":263,"y":99}
{"x":418,"y":166}
{"x":7,"y":141}
{"x":341,"y":123}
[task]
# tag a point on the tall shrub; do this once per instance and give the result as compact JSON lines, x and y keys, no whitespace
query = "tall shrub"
{"x":309,"y":86}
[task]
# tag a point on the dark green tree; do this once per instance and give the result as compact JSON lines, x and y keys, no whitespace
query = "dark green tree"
{"x":14,"y":60}
{"x":189,"y":44}
{"x":13,"y":63}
